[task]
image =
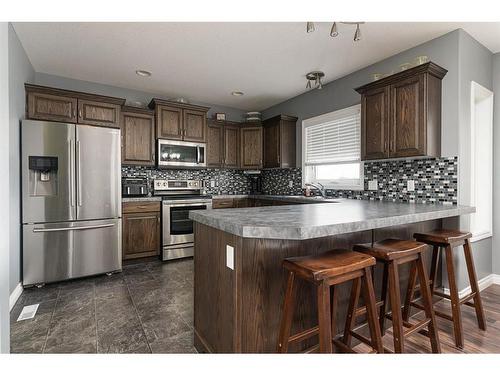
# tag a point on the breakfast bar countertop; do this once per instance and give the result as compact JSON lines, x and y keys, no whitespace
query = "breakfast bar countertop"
{"x":306,"y":221}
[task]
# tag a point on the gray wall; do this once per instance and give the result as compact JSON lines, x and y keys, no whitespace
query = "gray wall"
{"x":466,"y":60}
{"x":20,"y":71}
{"x":232,"y":114}
{"x":4,"y":188}
{"x":496,"y":165}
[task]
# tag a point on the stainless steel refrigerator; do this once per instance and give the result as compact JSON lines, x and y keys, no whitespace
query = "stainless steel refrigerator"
{"x":71,"y":189}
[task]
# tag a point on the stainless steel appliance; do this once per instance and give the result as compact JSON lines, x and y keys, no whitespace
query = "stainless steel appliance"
{"x":71,"y":187}
{"x":179,"y":154}
{"x":179,"y":197}
{"x":134,"y":187}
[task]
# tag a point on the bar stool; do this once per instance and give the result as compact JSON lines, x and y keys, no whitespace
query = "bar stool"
{"x":326,"y":271}
{"x":449,"y":239}
{"x":393,"y":253}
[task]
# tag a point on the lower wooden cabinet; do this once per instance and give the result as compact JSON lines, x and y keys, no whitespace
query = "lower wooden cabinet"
{"x":141,"y":228}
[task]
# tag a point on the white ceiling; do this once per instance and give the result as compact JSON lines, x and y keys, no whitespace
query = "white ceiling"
{"x":205,"y":62}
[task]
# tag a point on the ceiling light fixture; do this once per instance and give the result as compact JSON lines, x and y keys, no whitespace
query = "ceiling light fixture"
{"x":237,"y":93}
{"x":316,"y":77}
{"x":334,"y":30}
{"x":143,"y":73}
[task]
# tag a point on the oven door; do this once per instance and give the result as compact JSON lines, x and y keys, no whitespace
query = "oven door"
{"x":181,"y":154}
{"x":177,"y":226}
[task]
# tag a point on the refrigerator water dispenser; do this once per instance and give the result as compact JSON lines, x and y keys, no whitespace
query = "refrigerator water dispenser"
{"x":43,"y":175}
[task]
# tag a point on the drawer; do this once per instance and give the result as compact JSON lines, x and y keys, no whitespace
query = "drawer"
{"x":223,"y":203}
{"x":131,"y":207}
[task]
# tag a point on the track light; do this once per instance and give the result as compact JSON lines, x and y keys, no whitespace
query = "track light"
{"x":334,"y":32}
{"x":316,"y":77}
{"x":357,"y":34}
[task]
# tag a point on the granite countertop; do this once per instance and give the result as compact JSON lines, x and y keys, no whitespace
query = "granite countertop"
{"x":338,"y":216}
{"x":141,"y":199}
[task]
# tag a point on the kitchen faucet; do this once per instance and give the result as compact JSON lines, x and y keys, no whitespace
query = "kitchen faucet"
{"x":318,"y":187}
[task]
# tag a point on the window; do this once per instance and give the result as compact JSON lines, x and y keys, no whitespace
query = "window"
{"x":331,"y":149}
{"x":481,"y":142}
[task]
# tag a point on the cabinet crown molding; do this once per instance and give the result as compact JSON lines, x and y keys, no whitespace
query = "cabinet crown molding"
{"x":140,"y":110}
{"x":75,"y":94}
{"x":281,"y":117}
{"x":429,"y":67}
{"x":155,"y":101}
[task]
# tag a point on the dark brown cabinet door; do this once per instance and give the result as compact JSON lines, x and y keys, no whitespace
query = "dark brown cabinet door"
{"x":407,"y":126}
{"x":51,"y":107}
{"x":231,"y":146}
{"x":375,"y":124}
{"x":141,"y":234}
{"x":251,"y":147}
{"x":168,"y":122}
{"x":288,"y":139}
{"x":98,"y":113}
{"x":194,"y":125}
{"x":215,"y":140}
{"x":272,"y":144}
{"x":138,"y":140}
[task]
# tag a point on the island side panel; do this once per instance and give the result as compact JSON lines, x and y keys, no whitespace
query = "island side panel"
{"x":214,"y":291}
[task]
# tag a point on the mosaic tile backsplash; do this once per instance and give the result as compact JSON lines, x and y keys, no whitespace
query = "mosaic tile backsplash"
{"x":436,"y":180}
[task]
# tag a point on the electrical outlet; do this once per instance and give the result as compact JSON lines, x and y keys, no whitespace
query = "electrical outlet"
{"x":373,"y":185}
{"x":290,"y":183}
{"x":410,"y":185}
{"x":230,"y":257}
{"x":212,"y":183}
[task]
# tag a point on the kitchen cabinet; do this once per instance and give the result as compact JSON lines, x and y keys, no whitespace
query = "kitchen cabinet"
{"x":223,"y":203}
{"x":180,"y":121}
{"x":223,"y":139}
{"x":138,"y":136}
{"x":141,"y":229}
{"x":51,"y":104}
{"x":280,"y":142}
{"x":401,"y":114}
{"x":251,"y":146}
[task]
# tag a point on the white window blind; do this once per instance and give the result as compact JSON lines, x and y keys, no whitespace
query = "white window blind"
{"x":336,"y":140}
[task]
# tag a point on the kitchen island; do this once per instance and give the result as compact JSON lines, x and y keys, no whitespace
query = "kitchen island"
{"x":239,"y":280}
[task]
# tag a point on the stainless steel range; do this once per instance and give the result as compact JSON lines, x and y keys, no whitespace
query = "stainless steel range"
{"x":179,"y":197}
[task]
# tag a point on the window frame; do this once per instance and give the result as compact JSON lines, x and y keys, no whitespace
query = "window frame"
{"x":336,"y":184}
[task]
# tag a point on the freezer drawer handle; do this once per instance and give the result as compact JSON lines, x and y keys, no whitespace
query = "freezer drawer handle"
{"x":38,"y":230}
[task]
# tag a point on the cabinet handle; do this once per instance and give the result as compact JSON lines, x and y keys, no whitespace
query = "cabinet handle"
{"x":385,"y":145}
{"x":74,"y":112}
{"x":80,"y":113}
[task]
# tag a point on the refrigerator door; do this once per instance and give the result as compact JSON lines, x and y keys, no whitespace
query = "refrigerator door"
{"x":98,"y":169}
{"x":48,"y":171}
{"x":60,"y":251}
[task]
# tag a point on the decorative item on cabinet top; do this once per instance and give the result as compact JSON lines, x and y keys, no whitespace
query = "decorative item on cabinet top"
{"x":54,"y":104}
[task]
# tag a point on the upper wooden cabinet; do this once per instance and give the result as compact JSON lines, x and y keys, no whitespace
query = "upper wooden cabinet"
{"x":179,"y":121}
{"x":138,"y":136}
{"x":51,"y":104}
{"x":223,"y":140}
{"x":251,"y":146}
{"x":279,"y":141}
{"x":401,"y":114}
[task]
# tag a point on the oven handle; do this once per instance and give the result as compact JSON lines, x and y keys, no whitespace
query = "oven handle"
{"x":191,"y":203}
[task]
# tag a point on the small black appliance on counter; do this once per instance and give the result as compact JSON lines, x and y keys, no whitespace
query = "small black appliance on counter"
{"x":134,"y":187}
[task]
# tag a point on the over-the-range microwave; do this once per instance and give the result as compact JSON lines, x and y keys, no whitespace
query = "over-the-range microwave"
{"x":178,"y":154}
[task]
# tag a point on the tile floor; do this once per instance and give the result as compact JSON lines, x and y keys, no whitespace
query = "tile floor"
{"x":148,"y":308}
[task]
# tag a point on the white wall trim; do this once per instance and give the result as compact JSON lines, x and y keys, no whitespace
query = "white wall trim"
{"x":483,"y":284}
{"x":14,"y":296}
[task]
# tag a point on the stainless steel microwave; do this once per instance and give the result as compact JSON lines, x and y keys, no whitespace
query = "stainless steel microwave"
{"x":178,"y":154}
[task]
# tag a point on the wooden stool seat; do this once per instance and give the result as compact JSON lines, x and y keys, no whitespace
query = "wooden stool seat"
{"x":325,"y":271}
{"x":391,"y":249}
{"x":393,"y":253}
{"x":443,"y":237}
{"x":448,"y":239}
{"x":329,"y":264}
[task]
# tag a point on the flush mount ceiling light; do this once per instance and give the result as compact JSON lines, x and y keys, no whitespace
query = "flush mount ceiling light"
{"x":237,"y":93}
{"x":143,"y":73}
{"x":334,"y":30}
{"x":316,"y":77}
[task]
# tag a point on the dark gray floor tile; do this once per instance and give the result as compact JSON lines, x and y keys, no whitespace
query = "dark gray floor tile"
{"x":164,"y":326}
{"x":28,"y":336}
{"x":72,"y":334}
{"x":119,"y":336}
{"x":182,"y":343}
{"x":34,"y":295}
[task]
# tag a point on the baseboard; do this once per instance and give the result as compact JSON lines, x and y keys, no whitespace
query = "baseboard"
{"x":14,"y":296}
{"x":483,"y":284}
